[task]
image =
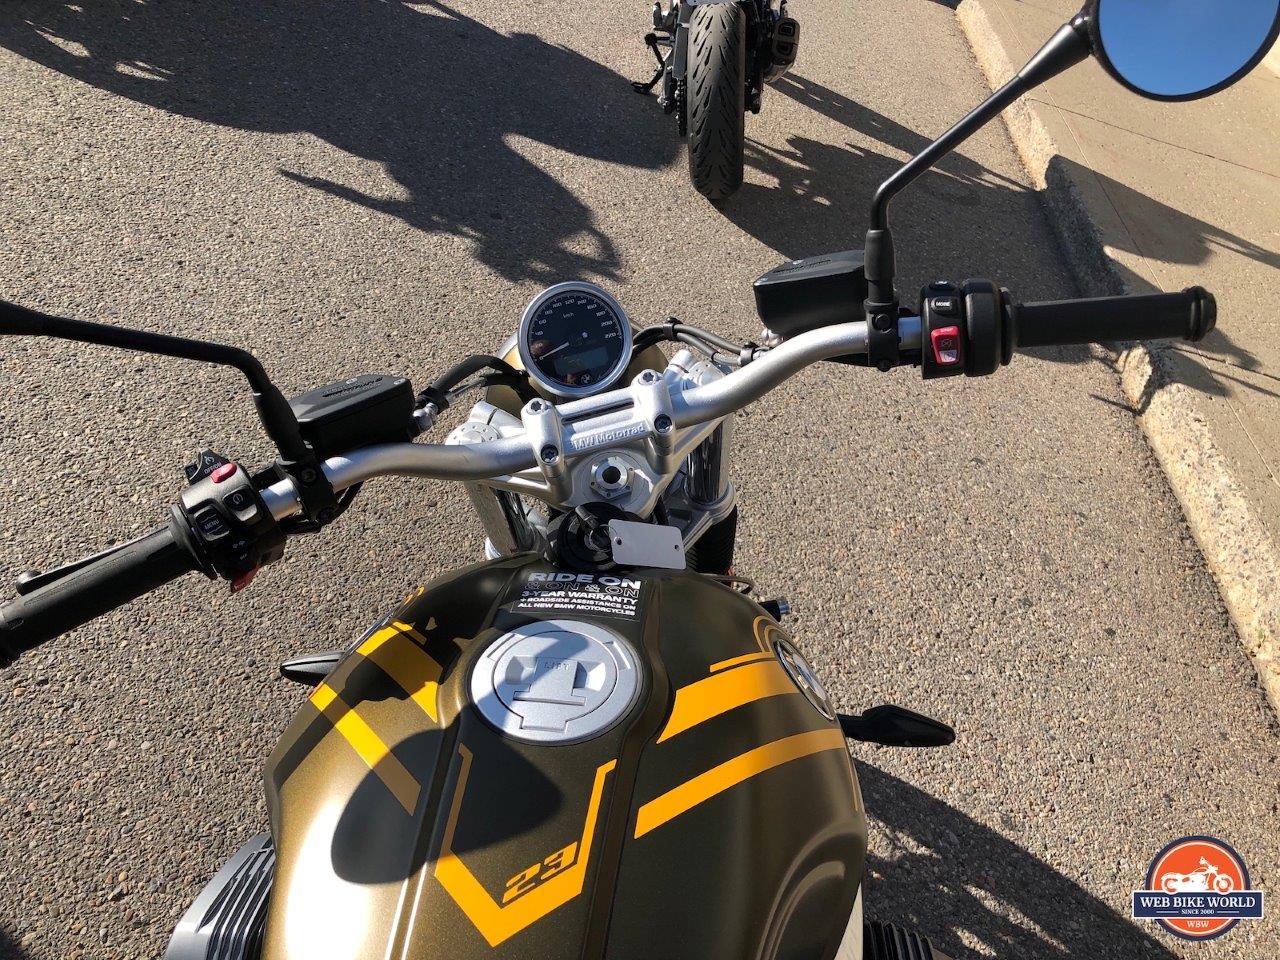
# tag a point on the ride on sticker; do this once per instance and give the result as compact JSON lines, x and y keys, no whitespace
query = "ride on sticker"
{"x":580,"y":593}
{"x":1197,"y":888}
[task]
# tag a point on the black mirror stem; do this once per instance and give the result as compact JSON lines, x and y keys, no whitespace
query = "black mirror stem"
{"x":273,"y":409}
{"x":1067,"y":47}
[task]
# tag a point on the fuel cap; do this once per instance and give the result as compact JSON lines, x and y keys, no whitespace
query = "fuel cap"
{"x":556,"y":681}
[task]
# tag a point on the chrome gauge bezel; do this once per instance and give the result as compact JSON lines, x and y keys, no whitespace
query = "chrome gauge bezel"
{"x":607,"y":382}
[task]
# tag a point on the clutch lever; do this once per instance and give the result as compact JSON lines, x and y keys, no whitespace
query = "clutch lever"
{"x":33,"y":580}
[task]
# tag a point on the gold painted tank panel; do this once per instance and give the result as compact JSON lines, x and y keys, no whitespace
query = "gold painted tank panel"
{"x":719,"y":818}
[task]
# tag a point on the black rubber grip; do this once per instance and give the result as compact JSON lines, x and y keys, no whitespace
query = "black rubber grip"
{"x":1188,"y":315}
{"x":99,"y":586}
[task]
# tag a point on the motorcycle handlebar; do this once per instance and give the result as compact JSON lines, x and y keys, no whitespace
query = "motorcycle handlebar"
{"x":83,"y":591}
{"x":1188,"y":315}
{"x":692,"y":406}
{"x":99,"y":585}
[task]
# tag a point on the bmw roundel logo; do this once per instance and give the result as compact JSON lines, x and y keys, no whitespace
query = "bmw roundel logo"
{"x":802,"y":675}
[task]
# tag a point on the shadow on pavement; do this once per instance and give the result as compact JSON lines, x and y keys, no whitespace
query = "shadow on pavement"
{"x":9,"y":949}
{"x":968,"y":887}
{"x":1162,"y":231}
{"x":429,"y":93}
{"x":822,"y":192}
{"x":1170,"y":235}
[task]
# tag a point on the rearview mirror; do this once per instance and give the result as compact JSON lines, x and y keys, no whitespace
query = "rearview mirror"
{"x":1182,"y":49}
{"x":1161,"y":49}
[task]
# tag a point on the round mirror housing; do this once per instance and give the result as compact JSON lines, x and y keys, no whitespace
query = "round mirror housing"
{"x":1182,"y":49}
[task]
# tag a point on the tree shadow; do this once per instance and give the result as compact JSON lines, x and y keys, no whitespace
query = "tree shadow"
{"x":432,"y":95}
{"x":963,"y":884}
{"x":1159,"y":230}
{"x":823,"y":190}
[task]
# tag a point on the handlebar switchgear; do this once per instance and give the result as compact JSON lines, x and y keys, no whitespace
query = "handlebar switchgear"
{"x":972,"y":328}
{"x":221,"y":527}
{"x":232,"y":533}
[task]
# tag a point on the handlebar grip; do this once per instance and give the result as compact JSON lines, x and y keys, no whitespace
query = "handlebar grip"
{"x":1187,"y":315}
{"x":86,"y":592}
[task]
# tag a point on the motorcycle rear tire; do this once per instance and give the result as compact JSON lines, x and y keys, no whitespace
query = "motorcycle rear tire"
{"x":717,"y":89}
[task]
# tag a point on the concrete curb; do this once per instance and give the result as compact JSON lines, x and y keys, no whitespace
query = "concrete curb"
{"x":1236,"y":546}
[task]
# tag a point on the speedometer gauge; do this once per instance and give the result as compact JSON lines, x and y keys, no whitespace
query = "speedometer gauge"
{"x":574,"y":339}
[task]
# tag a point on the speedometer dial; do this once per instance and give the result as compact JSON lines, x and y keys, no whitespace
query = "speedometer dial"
{"x":574,"y":339}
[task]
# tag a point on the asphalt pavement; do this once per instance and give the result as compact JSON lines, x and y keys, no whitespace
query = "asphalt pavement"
{"x":348,"y":187}
{"x":1140,"y":211}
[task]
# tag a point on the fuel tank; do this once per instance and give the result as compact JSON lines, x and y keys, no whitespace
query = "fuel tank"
{"x":523,"y":762}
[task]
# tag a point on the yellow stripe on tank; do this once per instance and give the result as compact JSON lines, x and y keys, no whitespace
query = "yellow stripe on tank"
{"x":729,"y":774}
{"x":368,"y":745}
{"x":738,"y":661}
{"x":725,"y":691}
{"x":396,"y":649}
{"x":498,"y":922}
{"x":762,"y":628}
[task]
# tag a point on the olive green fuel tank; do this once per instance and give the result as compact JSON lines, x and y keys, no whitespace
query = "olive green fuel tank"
{"x":521,"y":762}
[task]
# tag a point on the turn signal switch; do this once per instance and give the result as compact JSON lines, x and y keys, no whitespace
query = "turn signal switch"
{"x":228,"y":526}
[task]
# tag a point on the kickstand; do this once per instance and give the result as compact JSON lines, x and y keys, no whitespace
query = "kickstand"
{"x":640,"y":86}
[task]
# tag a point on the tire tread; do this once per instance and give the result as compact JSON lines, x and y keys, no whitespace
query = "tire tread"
{"x":717,"y":98}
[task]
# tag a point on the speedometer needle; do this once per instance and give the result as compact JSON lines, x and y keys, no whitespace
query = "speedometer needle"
{"x":556,"y":350}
